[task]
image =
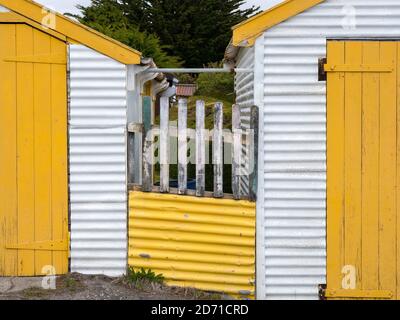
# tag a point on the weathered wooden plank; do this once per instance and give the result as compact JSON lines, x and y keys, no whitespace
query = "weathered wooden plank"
{"x":182,"y":146}
{"x":387,"y":235}
{"x":236,"y":151}
{"x":370,"y":170}
{"x":130,"y":78}
{"x":135,"y":126}
{"x":335,"y":164}
{"x":218,"y":151}
{"x":147,"y":146}
{"x":200,"y":149}
{"x":59,"y":157}
{"x":254,"y":129}
{"x":131,"y":157}
{"x":25,"y":151}
{"x":42,"y":148}
{"x":8,"y":153}
{"x":164,"y":144}
{"x":398,"y":174}
{"x":156,"y":189}
{"x":352,"y":126}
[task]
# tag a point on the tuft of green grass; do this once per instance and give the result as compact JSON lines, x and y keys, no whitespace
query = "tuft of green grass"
{"x":71,"y":284}
{"x":138,"y":276}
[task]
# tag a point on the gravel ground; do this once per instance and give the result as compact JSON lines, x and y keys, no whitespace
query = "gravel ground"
{"x":80,"y":287}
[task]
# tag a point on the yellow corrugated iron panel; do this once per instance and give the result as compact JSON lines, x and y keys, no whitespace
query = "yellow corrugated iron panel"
{"x":208,"y":244}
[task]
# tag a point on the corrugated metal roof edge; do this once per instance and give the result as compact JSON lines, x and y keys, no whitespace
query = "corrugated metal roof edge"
{"x":245,"y":33}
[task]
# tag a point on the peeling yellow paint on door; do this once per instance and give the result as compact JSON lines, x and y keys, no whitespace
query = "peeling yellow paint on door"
{"x":363,"y":157}
{"x":33,"y":152}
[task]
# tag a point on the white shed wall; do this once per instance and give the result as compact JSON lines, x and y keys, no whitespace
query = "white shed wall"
{"x":293,"y":179}
{"x":244,"y":87}
{"x":98,"y":148}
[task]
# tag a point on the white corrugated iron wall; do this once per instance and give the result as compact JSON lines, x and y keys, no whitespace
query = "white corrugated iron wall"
{"x":98,"y":189}
{"x":294,"y":122}
{"x":244,"y":87}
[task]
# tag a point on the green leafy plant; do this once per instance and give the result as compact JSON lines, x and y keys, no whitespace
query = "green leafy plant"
{"x":135,"y":276}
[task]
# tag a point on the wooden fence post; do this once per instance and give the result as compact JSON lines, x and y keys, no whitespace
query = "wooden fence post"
{"x":164,"y":145}
{"x":253,"y":179}
{"x":200,"y":149}
{"x":182,"y":146}
{"x":218,"y":151}
{"x":236,"y":151}
{"x":131,"y":158}
{"x":147,"y":184}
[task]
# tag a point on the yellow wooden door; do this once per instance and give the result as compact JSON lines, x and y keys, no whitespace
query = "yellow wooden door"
{"x":33,"y":152}
{"x":363,"y":143}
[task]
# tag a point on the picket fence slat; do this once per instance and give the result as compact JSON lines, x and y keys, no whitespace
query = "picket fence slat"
{"x":218,"y":151}
{"x":236,"y":151}
{"x":182,"y":146}
{"x":254,"y":126}
{"x":147,"y":145}
{"x":164,"y":144}
{"x":200,"y":149}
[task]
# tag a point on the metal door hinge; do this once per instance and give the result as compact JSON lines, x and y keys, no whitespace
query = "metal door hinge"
{"x":322,"y":291}
{"x":321,"y":69}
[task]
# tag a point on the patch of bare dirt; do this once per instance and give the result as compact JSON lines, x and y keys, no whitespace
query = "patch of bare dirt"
{"x":81,"y":287}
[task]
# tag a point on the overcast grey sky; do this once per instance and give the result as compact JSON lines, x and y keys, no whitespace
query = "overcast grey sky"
{"x":69,"y":5}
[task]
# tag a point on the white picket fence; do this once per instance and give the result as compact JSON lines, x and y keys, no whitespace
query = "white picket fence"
{"x":244,"y":146}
